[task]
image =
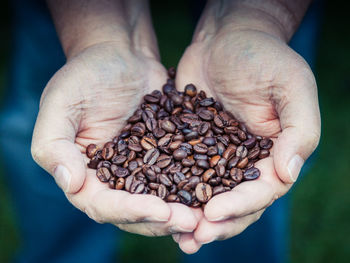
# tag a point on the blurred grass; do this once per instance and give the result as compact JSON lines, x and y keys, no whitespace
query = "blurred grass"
{"x":320,"y":201}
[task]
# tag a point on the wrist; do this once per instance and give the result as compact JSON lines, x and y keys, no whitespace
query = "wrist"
{"x":277,"y":18}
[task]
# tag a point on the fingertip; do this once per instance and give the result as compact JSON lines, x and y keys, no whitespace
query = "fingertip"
{"x":187,"y":244}
{"x":183,"y":217}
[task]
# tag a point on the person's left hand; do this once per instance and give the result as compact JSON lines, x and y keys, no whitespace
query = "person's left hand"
{"x":272,"y":90}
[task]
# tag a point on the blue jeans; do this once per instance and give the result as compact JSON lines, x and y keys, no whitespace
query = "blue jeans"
{"x":52,"y":230}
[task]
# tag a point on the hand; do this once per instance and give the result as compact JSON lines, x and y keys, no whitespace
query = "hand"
{"x":87,"y":101}
{"x":272,"y":90}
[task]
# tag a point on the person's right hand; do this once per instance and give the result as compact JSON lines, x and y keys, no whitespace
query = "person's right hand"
{"x":87,"y":101}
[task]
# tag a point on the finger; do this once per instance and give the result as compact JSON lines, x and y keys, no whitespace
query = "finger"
{"x":188,"y":244}
{"x":53,"y":145}
{"x":208,"y":232}
{"x":300,"y":123}
{"x":182,"y":220}
{"x":116,"y":206}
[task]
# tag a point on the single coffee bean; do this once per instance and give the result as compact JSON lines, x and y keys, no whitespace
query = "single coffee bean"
{"x":251,"y":174}
{"x":208,"y":174}
{"x":242,"y":163}
{"x":158,"y":133}
{"x":103,"y":174}
{"x":128,"y":182}
{"x":137,"y":187}
{"x":168,"y":126}
{"x":175,"y":145}
{"x":203,"y":128}
{"x":151,"y":98}
{"x":233,"y":162}
{"x":105,"y":164}
{"x":179,"y":154}
{"x":163,"y":161}
{"x":198,"y":156}
{"x":165,"y":141}
{"x":136,"y":147}
{"x":173,"y":198}
{"x":250,"y":143}
{"x":229,"y":183}
{"x":185,"y":197}
{"x":203,"y":192}
{"x":188,"y":162}
{"x":212,"y":150}
{"x":121,"y":172}
{"x":229,"y":152}
{"x":222,"y":161}
{"x":164,"y":179}
{"x":219,"y":122}
{"x":148,"y":143}
{"x":118,"y":159}
{"x":218,"y":190}
{"x":207,"y":102}
{"x":220,"y":170}
{"x":91,"y":150}
{"x":131,"y":156}
{"x":206,"y":115}
{"x":178,"y":177}
{"x":214,"y":160}
{"x":151,"y":156}
{"x":231,"y":130}
{"x":119,"y":184}
{"x":202,"y":164}
{"x":162,"y":191}
{"x":196,"y":170}
{"x":253,"y":153}
{"x":241,"y":152}
{"x":132,"y":165}
{"x":192,"y":135}
{"x":107,"y":153}
{"x":264,"y":153}
{"x":138,"y":129}
{"x":236,"y":175}
{"x":190,"y":90}
{"x":266,"y":144}
{"x":200,"y":148}
{"x":93,"y":163}
{"x":172,"y":72}
{"x":153,"y":186}
{"x":209,"y":141}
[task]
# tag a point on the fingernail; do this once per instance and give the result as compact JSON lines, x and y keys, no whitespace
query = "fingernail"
{"x":294,"y":167}
{"x":62,"y":177}
{"x":176,"y":237}
{"x":177,"y":229}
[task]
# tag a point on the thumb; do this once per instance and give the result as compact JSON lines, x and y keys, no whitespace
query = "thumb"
{"x":53,"y":145}
{"x":300,"y":123}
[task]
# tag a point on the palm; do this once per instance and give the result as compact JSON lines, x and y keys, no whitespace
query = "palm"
{"x":251,"y":74}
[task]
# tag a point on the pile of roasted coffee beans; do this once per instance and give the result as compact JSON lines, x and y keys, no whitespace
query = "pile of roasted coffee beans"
{"x":180,"y":146}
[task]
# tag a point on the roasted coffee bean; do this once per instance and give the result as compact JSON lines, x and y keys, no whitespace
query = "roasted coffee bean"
{"x":214,"y":181}
{"x":168,"y":126}
{"x":195,"y":141}
{"x":173,"y":198}
{"x":209,"y":141}
{"x":132,"y":165}
{"x":175,"y":145}
{"x":151,"y":156}
{"x":241,"y":152}
{"x":231,"y":130}
{"x":220,"y":170}
{"x":225,"y":140}
{"x":190,"y":90}
{"x":207,"y":102}
{"x":163,"y":161}
{"x":128,"y":182}
{"x":241,"y":135}
{"x":105,"y":164}
{"x":151,"y":124}
{"x":221,"y":148}
{"x":203,"y":192}
{"x":165,"y":141}
{"x":93,"y":163}
{"x":200,"y":148}
{"x":222,"y":161}
{"x":107,"y":153}
{"x":103,"y":174}
{"x":186,"y":147}
{"x":233,"y":162}
{"x":254,"y":153}
{"x":153,"y":186}
{"x":150,"y":98}
{"x":121,"y":172}
{"x":212,"y":150}
{"x":264,"y":153}
{"x":192,"y":135}
{"x":148,"y":143}
{"x":218,"y":190}
{"x":219,"y":122}
{"x":208,"y":174}
{"x":198,"y":156}
{"x":172,"y":72}
{"x":206,"y":115}
{"x":91,"y":150}
{"x":196,"y":170}
{"x":178,"y":177}
{"x":217,"y":130}
{"x":229,"y":183}
{"x":177,"y":99}
{"x":236,"y":175}
{"x":266,"y":144}
{"x":162,"y":191}
{"x":230,"y":152}
{"x":164,"y":179}
{"x":188,"y":162}
{"x":158,"y":133}
{"x":203,"y":128}
{"x":250,"y":143}
{"x":119,"y":184}
{"x":151,"y":175}
{"x":137,"y":187}
{"x":138,"y":129}
{"x":214,"y":160}
{"x":135,"y":147}
{"x":131,"y":156}
{"x":119,"y":159}
{"x":242,"y":163}
{"x":179,"y":154}
{"x":251,"y":174}
{"x":202,"y":164}
{"x":185,"y":197}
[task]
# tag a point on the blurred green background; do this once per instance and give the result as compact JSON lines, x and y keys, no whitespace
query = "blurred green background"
{"x":320,"y":223}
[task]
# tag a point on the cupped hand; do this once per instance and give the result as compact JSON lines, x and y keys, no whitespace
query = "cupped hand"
{"x":87,"y":101}
{"x":270,"y":88}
